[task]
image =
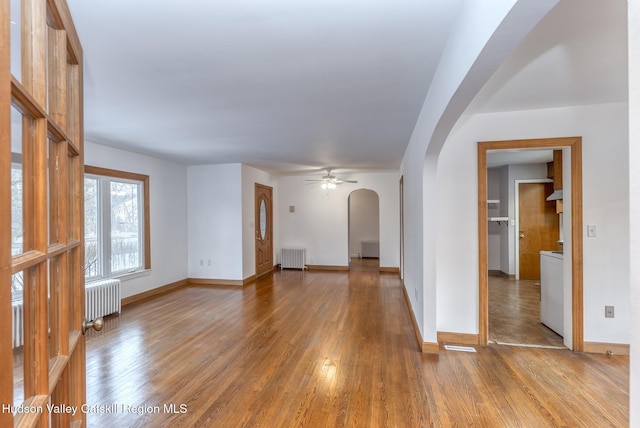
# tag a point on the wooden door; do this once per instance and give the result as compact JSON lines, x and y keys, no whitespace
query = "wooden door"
{"x":42,"y":350}
{"x":264,"y":229}
{"x":539,"y":227}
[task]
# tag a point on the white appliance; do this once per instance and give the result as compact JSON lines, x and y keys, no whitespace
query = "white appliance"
{"x":552,"y":290}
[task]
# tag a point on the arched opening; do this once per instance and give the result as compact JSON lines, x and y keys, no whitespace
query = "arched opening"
{"x":364,"y":228}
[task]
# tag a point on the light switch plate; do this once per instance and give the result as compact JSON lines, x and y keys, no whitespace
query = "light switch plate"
{"x":591,"y":230}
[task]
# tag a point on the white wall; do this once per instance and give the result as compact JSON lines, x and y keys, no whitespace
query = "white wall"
{"x":168,"y":216}
{"x":320,"y":221}
{"x":634,"y":194}
{"x":215,"y":222}
{"x":482,"y":38}
{"x":605,"y":203}
{"x":251,"y":176}
{"x":364,"y":219}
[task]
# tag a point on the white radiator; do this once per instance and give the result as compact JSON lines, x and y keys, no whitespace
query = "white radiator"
{"x":102,"y":298}
{"x":369,"y":249}
{"x":17,"y":329}
{"x":293,"y":258}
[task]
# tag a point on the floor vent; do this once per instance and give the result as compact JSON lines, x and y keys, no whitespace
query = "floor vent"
{"x":459,"y":348}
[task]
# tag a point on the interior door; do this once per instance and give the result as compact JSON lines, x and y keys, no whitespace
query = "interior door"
{"x":42,"y":350}
{"x":539,"y":227}
{"x":264,"y":229}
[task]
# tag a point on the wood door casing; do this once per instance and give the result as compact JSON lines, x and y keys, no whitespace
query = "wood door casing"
{"x":573,"y":146}
{"x":41,"y":110}
{"x":539,"y":226}
{"x":264,"y":229}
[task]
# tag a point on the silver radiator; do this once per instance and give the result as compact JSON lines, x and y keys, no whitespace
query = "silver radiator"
{"x":369,"y":249}
{"x":102,"y":298}
{"x":293,"y":258}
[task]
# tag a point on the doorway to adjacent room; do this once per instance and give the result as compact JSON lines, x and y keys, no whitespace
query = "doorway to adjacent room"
{"x":572,"y":147}
{"x":364,"y":227}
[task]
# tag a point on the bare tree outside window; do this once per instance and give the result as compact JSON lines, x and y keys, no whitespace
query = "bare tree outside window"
{"x":114,"y":223}
{"x":17,"y":245}
{"x":91,"y":228}
{"x":16,"y":211}
{"x":125,"y":226}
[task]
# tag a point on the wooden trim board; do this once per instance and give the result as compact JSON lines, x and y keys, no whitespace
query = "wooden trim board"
{"x":606,"y":348}
{"x":183,"y":283}
{"x":575,"y":146}
{"x":146,"y":295}
{"x":425,"y":347}
{"x":328,"y":267}
{"x":249,"y":279}
{"x":458,"y":338}
{"x":212,"y":281}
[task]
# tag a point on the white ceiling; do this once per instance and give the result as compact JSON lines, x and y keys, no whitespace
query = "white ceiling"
{"x":295,"y":86}
{"x":577,"y":55}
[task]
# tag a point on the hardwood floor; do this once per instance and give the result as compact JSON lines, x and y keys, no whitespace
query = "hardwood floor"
{"x":327,"y":349}
{"x":514,"y":314}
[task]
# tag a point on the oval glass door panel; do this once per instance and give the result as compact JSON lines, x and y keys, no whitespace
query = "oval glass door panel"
{"x":263,"y":219}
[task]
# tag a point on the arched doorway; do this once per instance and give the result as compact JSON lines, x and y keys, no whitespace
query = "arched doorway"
{"x":364,"y":227}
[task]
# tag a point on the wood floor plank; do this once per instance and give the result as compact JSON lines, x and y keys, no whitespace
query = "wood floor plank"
{"x":514,"y":313}
{"x":328,"y":349}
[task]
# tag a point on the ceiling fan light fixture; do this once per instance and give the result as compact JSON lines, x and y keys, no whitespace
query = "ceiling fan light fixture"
{"x":330,"y":182}
{"x":328,"y":185}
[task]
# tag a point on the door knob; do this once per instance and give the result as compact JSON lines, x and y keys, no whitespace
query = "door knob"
{"x":521,"y":235}
{"x":96,"y":324}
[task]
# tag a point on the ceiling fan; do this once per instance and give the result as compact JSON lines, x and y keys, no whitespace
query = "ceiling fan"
{"x":330,"y":181}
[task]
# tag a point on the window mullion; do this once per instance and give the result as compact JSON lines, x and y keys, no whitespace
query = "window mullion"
{"x":105,"y":210}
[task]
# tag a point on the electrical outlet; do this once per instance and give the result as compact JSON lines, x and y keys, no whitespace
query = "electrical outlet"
{"x":608,"y":311}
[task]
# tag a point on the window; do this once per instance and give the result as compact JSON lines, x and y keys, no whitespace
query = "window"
{"x":116,"y":222}
{"x":16,"y":223}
